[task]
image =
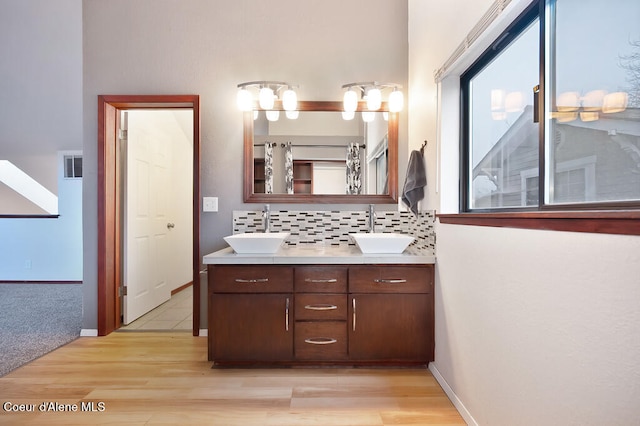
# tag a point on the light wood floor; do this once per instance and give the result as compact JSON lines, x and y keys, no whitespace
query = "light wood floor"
{"x":164,"y":378}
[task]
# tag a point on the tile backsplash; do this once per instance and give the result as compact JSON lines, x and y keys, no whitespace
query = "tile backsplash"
{"x":334,"y":227}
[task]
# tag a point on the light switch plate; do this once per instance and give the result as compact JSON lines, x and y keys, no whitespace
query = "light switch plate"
{"x":209,"y":204}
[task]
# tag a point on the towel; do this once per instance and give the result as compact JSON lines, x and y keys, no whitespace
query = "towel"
{"x":415,"y":181}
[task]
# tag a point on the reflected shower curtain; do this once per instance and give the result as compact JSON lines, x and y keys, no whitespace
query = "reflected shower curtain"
{"x":354,"y":178}
{"x":268,"y":168}
{"x":288,"y":167}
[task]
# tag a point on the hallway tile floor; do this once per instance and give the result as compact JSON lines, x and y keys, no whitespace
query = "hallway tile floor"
{"x":175,"y":314}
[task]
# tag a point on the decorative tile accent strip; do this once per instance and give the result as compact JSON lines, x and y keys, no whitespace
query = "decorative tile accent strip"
{"x":334,"y":227}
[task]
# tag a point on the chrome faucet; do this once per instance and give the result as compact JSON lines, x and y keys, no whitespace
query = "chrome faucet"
{"x":372,"y":218}
{"x":266,"y":218}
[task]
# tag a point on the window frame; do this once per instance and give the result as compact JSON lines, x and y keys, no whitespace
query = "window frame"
{"x":598,"y":217}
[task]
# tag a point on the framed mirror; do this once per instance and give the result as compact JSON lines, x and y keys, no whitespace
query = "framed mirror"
{"x":319,"y":157}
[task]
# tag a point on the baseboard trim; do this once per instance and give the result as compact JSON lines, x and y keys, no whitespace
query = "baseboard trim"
{"x":203,"y":332}
{"x":182,"y":287}
{"x":89,"y":332}
{"x":38,"y":282}
{"x":466,"y":415}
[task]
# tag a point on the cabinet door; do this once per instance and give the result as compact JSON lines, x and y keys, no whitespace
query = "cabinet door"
{"x":252,"y":327}
{"x":390,"y":327}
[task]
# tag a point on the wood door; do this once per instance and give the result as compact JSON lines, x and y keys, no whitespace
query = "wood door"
{"x":146,"y":260}
{"x":251,"y":327}
{"x":390,"y":327}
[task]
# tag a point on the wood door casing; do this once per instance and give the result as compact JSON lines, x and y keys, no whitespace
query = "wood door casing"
{"x":109,"y":226}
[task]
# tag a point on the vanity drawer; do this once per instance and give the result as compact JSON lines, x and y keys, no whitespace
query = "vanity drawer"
{"x":321,"y":279}
{"x":391,"y":279}
{"x":321,"y":340}
{"x":251,"y":279}
{"x":321,"y":307}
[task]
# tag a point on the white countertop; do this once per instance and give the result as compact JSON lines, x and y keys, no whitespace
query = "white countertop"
{"x":316,"y":254}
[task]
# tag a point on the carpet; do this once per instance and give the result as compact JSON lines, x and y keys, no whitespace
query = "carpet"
{"x":36,"y":319}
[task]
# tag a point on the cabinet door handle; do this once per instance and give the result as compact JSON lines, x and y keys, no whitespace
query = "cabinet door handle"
{"x":320,"y":340}
{"x":316,"y":280}
{"x":252,"y":280}
{"x":286,"y":315}
{"x":353,"y":302}
{"x":390,"y":281}
{"x":320,"y":307}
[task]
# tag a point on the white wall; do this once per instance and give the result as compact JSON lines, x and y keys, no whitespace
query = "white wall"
{"x":205,"y":47}
{"x":37,"y":249}
{"x":532,"y":327}
{"x":40,"y":114}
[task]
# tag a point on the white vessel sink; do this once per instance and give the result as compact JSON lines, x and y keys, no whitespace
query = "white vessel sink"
{"x":381,"y":242}
{"x":256,"y":243}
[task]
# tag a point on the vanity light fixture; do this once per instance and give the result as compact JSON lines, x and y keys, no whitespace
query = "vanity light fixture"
{"x":267,"y":94}
{"x":371,"y":92}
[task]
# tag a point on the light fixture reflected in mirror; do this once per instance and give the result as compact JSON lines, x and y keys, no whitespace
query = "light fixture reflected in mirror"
{"x":368,"y":116}
{"x":348,"y":115}
{"x":272,"y":115}
{"x":371,"y":92}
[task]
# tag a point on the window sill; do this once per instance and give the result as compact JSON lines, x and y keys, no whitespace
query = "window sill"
{"x":625,"y":222}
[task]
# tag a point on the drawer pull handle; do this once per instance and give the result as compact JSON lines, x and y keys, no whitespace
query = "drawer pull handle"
{"x":354,"y":313}
{"x":320,"y":341}
{"x":391,"y":281}
{"x":252,"y":280}
{"x":315,"y":280}
{"x":286,"y":315}
{"x":320,"y":307}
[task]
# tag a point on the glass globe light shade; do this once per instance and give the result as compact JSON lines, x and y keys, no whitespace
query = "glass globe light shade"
{"x":292,"y":115}
{"x":244,"y":100}
{"x":350,"y":101}
{"x":374,"y":99}
{"x":396,"y":101}
{"x":266,"y":98}
{"x":256,"y":113}
{"x":289,"y":100}
{"x":273,"y":115}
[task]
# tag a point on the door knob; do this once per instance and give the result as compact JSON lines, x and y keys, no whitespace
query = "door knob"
{"x":171,"y":225}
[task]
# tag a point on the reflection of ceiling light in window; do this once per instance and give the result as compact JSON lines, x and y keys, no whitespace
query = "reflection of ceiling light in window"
{"x":615,"y":102}
{"x":28,"y":187}
{"x":568,"y":101}
{"x":514,"y":102}
{"x":592,"y":101}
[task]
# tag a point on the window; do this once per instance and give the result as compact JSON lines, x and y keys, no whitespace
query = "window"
{"x":551,"y":111}
{"x":73,"y":166}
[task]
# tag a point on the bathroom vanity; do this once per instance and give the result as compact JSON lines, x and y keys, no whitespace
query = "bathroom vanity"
{"x":320,"y":306}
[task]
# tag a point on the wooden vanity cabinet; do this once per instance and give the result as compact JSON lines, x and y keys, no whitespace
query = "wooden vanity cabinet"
{"x":250,"y":314}
{"x":321,"y":315}
{"x":391,"y":314}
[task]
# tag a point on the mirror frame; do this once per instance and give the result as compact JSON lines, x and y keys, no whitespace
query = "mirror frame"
{"x":390,"y":198}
